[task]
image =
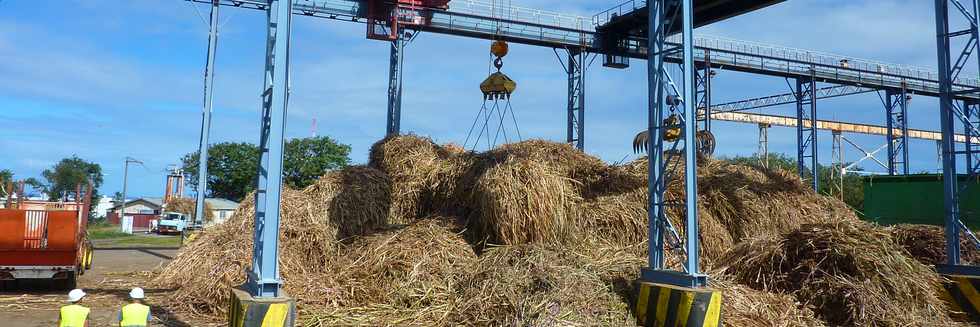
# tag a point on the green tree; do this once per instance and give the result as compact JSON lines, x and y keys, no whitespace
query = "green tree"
{"x":232,"y":167}
{"x":69,"y":173}
{"x":6,"y":176}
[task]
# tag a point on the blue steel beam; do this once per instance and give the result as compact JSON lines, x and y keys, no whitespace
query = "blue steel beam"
{"x":263,"y":279}
{"x":703,"y":94}
{"x":395,"y":85}
{"x":949,"y":112}
{"x":690,"y":144}
{"x":946,"y":123}
{"x":806,"y":133}
{"x":202,"y":163}
{"x":575,"y":68}
{"x":665,"y":100}
{"x":656,"y":183}
{"x":971,"y":121}
{"x":896,"y":111}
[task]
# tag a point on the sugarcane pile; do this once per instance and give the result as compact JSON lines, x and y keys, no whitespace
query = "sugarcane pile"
{"x":537,"y":233}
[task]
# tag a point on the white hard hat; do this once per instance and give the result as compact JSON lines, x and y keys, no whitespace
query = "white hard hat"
{"x":136,"y":293}
{"x":75,"y":295}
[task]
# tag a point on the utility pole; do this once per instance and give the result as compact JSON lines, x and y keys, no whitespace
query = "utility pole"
{"x":122,"y":210}
{"x":202,"y":163}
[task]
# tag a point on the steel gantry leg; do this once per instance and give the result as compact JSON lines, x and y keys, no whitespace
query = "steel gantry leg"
{"x":576,"y":67}
{"x":263,"y":279}
{"x":395,"y":84}
{"x":837,"y":166}
{"x":202,"y":163}
{"x":949,"y":111}
{"x":971,"y":124}
{"x":806,"y":131}
{"x":896,"y":110}
{"x":667,"y":99}
{"x":703,"y":76}
{"x":764,"y":144}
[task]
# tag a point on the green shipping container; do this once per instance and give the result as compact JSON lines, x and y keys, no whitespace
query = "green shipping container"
{"x":917,"y":199}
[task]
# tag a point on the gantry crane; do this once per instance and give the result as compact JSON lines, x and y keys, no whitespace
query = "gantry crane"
{"x":659,"y":32}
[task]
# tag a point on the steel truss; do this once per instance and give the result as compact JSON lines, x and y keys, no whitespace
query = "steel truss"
{"x":665,"y":100}
{"x":896,"y":110}
{"x":950,"y":111}
{"x":971,"y":121}
{"x":806,"y":131}
{"x":840,"y":168}
{"x":575,"y":67}
{"x":703,"y":94}
{"x":263,"y":279}
{"x":763,"y":151}
{"x":788,"y":98}
{"x":396,"y":63}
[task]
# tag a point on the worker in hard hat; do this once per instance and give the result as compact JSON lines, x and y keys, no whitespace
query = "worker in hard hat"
{"x":136,"y":313}
{"x":74,"y":314}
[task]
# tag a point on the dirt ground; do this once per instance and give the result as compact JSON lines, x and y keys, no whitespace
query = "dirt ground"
{"x":114,"y":272}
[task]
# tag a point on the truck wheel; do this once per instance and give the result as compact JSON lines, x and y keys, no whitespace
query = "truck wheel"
{"x":88,"y":258}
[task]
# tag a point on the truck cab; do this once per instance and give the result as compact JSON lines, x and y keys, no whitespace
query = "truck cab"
{"x":171,"y":223}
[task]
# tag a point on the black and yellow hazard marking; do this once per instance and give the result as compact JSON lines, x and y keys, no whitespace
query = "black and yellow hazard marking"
{"x":659,"y":305}
{"x":962,"y":294}
{"x":246,"y":311}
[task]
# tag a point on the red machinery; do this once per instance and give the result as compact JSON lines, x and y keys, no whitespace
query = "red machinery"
{"x":387,"y":17}
{"x":46,"y":244}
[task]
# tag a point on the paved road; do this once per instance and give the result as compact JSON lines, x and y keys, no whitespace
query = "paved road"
{"x":114,"y":272}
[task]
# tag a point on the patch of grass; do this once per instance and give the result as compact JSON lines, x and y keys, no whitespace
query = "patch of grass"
{"x":106,"y":235}
{"x":143,"y":241}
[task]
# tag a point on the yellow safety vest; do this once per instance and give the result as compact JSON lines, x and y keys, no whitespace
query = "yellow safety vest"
{"x":134,"y":314}
{"x":73,"y":316}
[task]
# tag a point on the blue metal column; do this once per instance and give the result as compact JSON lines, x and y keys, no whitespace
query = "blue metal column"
{"x":806,"y":130}
{"x":576,"y":97}
{"x":896,"y":109}
{"x":685,"y":101}
{"x":704,"y":76}
{"x":971,"y":122}
{"x":263,"y":279}
{"x":656,"y":84}
{"x":202,"y":163}
{"x":395,"y":85}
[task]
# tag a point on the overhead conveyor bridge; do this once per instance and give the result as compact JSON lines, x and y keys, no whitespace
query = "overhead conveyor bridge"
{"x":481,"y":19}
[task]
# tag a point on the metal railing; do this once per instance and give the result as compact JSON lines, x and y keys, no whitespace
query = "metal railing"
{"x":482,"y":18}
{"x":823,"y":59}
{"x":504,"y":11}
{"x":624,"y":8}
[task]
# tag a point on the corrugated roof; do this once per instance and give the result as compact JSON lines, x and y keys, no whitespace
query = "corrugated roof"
{"x":222,"y":204}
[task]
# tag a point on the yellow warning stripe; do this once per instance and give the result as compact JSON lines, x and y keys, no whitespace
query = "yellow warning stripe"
{"x":276,"y":315}
{"x":713,"y":317}
{"x":663,"y":306}
{"x":684,"y":309}
{"x":662,"y":301}
{"x":641,"y":303}
{"x":969,"y":292}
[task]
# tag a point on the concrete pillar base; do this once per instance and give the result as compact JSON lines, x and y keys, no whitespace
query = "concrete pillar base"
{"x":246,"y":311}
{"x":661,"y":305}
{"x":962,"y":294}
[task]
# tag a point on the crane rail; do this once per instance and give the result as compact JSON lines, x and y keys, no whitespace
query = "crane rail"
{"x":787,"y":121}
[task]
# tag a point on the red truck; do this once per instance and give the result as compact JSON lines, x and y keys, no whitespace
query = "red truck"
{"x":45,"y":240}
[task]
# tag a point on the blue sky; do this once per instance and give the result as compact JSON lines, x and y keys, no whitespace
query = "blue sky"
{"x":108,"y":79}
